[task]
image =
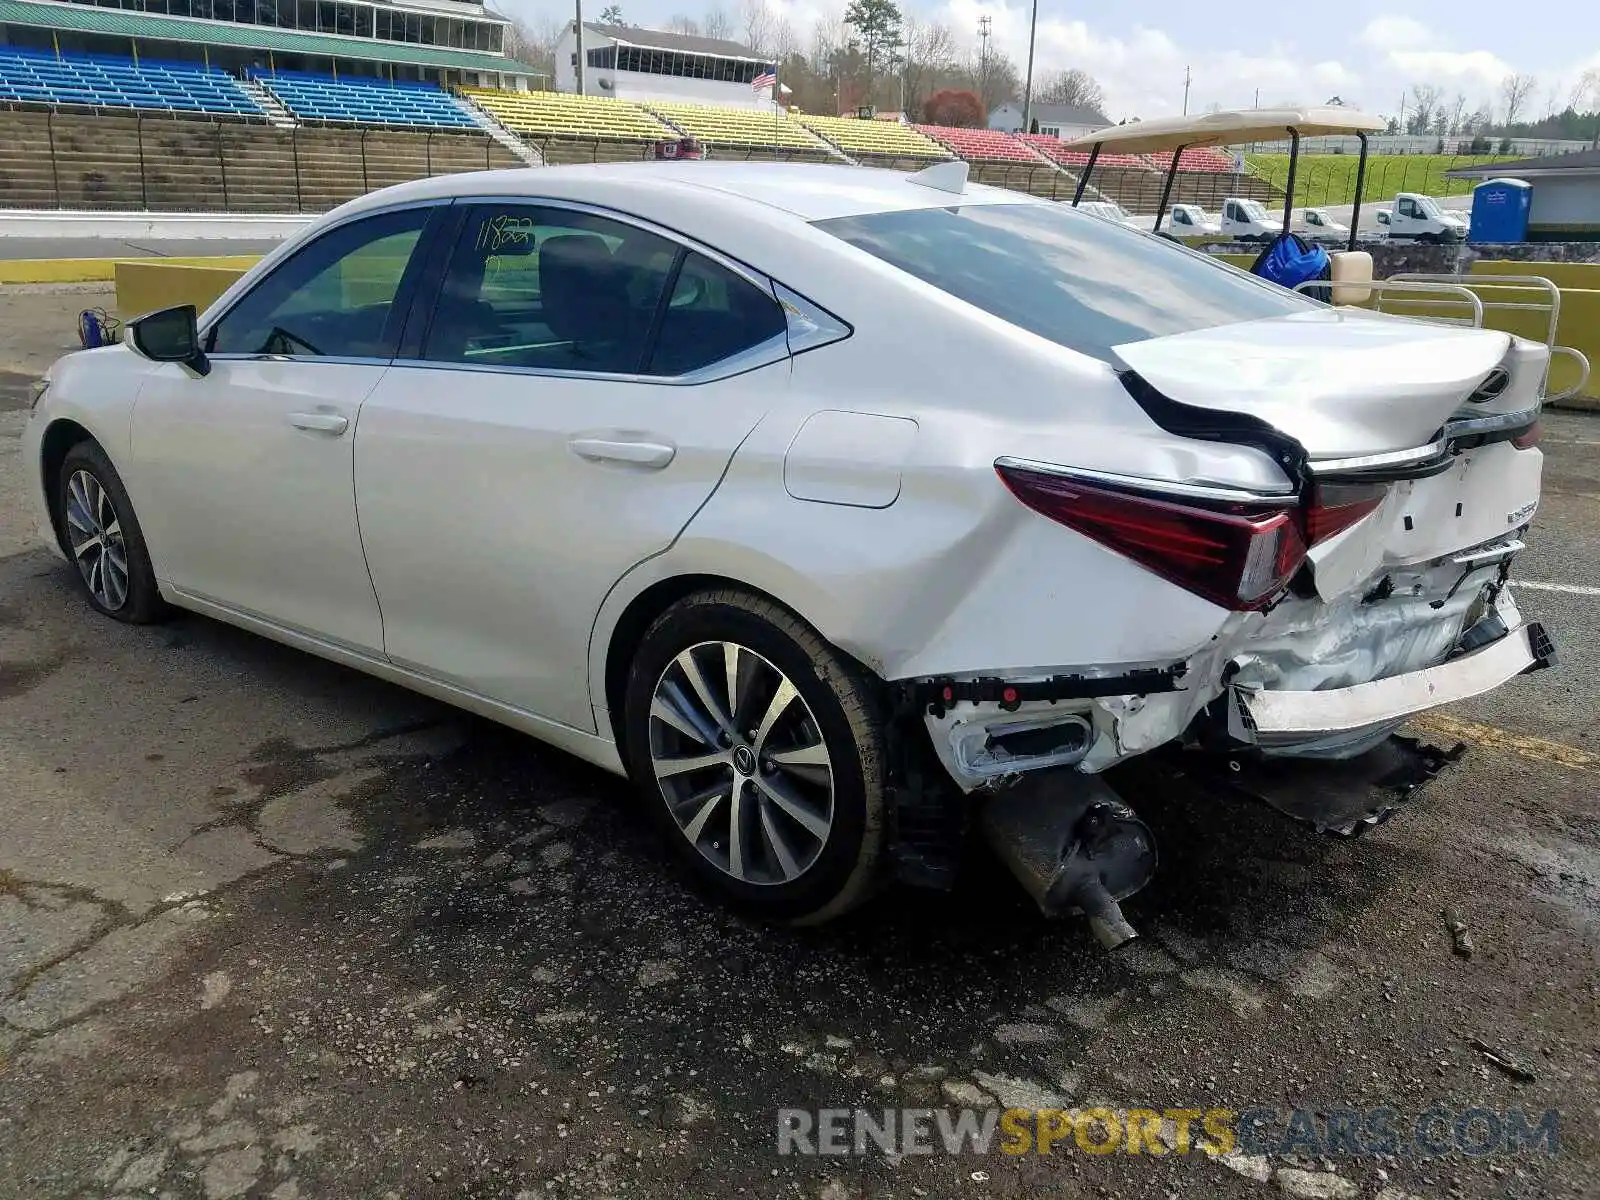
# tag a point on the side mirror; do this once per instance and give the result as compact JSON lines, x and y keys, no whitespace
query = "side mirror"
{"x":170,"y":335}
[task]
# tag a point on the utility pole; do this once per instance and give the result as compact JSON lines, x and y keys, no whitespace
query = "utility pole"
{"x":1258,"y":97}
{"x":578,"y":26}
{"x":983,"y":60}
{"x":1186,"y":80}
{"x":1027,"y":88}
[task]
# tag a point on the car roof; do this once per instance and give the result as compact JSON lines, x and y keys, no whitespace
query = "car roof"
{"x":809,"y":191}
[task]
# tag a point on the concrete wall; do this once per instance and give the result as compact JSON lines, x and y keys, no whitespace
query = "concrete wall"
{"x":1565,"y":204}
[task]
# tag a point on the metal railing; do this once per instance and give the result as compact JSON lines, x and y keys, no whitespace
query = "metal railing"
{"x":1330,"y":179}
{"x":1415,"y":290}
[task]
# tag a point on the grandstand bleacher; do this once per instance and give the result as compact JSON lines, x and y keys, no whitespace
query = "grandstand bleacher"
{"x":877,"y":139}
{"x":362,"y":101}
{"x":741,"y":128}
{"x":1206,"y":159}
{"x":979,"y":145}
{"x":41,"y":77}
{"x":562,"y":114}
{"x":1056,"y":150}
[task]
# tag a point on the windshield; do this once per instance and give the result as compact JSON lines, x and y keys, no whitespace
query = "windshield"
{"x":1253,"y":210}
{"x":1081,"y":282}
{"x":1428,"y":206}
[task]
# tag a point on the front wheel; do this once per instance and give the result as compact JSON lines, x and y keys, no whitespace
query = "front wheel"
{"x":101,"y":535}
{"x":760,"y":750}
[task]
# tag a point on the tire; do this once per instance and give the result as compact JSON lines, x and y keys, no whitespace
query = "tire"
{"x":812,"y":835}
{"x":97,"y":521}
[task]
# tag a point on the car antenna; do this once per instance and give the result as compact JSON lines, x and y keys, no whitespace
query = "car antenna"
{"x":944,"y":177}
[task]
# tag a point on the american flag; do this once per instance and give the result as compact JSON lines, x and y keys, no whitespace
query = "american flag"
{"x":766,"y":79}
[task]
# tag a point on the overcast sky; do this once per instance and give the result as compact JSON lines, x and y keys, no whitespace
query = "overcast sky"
{"x":1302,"y":51}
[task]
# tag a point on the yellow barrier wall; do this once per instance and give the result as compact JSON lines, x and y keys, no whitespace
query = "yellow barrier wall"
{"x":100,"y":270}
{"x":144,"y":285}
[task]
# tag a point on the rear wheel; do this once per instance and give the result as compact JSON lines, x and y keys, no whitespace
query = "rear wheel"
{"x":761,"y":751}
{"x":101,"y":535}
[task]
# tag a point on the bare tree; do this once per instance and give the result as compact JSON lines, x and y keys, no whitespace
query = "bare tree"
{"x":1455,"y":114}
{"x":611,"y":14}
{"x":994,"y":77}
{"x":1424,"y":103}
{"x":1515,"y":90}
{"x":757,"y":21}
{"x":534,"y":42}
{"x":1070,"y":87}
{"x":1585,"y":93}
{"x":930,"y":54}
{"x":678,"y":23}
{"x":717,"y":23}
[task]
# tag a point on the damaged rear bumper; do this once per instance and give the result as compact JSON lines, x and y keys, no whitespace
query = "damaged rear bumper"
{"x":1265,"y":717}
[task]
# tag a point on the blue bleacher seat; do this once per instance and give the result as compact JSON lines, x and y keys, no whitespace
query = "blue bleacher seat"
{"x":363,"y":101}
{"x":108,"y":81}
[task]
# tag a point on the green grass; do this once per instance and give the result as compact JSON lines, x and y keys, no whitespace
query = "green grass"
{"x":1331,"y":178}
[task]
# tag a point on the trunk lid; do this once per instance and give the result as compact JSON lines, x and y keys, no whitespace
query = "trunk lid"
{"x":1340,"y":382}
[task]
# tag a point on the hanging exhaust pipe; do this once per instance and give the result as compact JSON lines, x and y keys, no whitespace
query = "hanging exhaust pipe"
{"x":1074,"y":846}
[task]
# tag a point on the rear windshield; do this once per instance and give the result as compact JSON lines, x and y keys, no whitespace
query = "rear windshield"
{"x":1084,"y":283}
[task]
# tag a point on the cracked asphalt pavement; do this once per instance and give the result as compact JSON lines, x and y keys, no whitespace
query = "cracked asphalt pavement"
{"x":269,"y":928}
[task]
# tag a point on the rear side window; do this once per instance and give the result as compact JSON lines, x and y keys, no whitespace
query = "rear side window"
{"x":713,"y":315}
{"x":1085,"y":284}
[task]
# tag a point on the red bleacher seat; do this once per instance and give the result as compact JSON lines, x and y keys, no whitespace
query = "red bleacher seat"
{"x":1056,"y":150}
{"x":979,"y":144}
{"x":1205,"y":158}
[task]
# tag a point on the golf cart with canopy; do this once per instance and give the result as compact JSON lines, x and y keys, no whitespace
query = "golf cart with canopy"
{"x":1349,"y":277}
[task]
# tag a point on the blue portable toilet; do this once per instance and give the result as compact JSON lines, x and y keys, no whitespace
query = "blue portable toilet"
{"x":1500,"y":211}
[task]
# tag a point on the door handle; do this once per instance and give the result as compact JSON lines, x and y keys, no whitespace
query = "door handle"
{"x":636,"y":452}
{"x":320,"y":422}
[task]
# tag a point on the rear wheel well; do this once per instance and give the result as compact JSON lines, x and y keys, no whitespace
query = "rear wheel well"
{"x":61,"y":437}
{"x":642,"y":612}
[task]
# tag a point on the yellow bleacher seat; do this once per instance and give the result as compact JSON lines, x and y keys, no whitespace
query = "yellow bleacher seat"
{"x":856,"y":136}
{"x":716,"y":126}
{"x":559,"y":113}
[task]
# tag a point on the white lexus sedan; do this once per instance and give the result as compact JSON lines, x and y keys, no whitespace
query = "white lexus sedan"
{"x":840,"y":509}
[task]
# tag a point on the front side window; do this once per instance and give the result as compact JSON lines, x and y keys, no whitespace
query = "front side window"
{"x":333,"y":298}
{"x":1181,"y":217}
{"x":1407,"y":209}
{"x":1085,"y":284}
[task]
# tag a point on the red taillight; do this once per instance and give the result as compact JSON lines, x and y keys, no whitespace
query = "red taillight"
{"x":1528,"y":438}
{"x":1238,"y":555}
{"x":1335,"y":507}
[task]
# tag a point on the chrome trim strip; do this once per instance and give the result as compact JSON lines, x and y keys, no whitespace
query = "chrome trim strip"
{"x":1369,"y":462}
{"x":1190,"y":489}
{"x":809,"y":325}
{"x":1490,"y":554}
{"x":764,"y":354}
{"x":626,"y":218}
{"x":1467,"y":426}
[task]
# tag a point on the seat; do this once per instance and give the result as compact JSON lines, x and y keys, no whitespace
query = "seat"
{"x":1349,"y":270}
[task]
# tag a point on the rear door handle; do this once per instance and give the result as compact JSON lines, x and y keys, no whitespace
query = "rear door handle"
{"x":638,"y":452}
{"x":320,"y":422}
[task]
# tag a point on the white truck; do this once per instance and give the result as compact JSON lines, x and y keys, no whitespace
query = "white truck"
{"x":1245,"y":220}
{"x":1190,"y":220}
{"x":1107,"y":209}
{"x":1317,"y":226}
{"x":1419,"y":218}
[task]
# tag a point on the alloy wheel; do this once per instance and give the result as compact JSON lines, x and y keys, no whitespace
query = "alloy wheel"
{"x":741,"y":763}
{"x":94,"y":532}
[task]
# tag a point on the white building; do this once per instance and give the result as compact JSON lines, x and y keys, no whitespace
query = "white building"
{"x":1566,"y":193}
{"x":1065,"y":121}
{"x":645,"y":64}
